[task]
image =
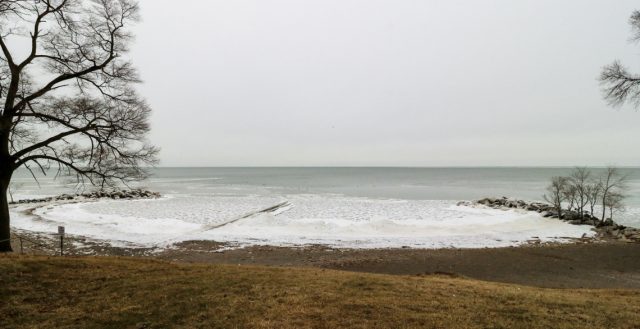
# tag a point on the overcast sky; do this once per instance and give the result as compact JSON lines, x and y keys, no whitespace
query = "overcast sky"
{"x":386,"y":83}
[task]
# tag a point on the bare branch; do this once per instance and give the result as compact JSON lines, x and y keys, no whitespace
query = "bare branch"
{"x":618,"y":85}
{"x":96,"y":124}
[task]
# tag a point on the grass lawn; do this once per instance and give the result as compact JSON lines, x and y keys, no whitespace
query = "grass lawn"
{"x":87,"y":292}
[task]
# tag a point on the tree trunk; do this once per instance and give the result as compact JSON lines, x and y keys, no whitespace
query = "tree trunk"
{"x":604,"y":207}
{"x":5,"y":228}
{"x":611,"y":213}
{"x":558,"y":206}
{"x":6,"y":170}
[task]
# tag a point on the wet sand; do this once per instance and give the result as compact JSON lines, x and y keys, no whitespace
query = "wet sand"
{"x":586,"y":264}
{"x":580,"y":265}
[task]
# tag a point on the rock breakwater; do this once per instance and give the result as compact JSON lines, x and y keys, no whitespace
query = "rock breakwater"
{"x":116,"y":194}
{"x":607,"y":229}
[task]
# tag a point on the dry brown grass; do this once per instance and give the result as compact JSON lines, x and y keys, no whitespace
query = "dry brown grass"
{"x":41,"y":292}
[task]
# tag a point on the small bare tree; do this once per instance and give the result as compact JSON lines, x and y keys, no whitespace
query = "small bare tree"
{"x":593,"y":193}
{"x":570,"y":195}
{"x":615,"y":203}
{"x":69,"y":103}
{"x":613,"y":184}
{"x":556,"y":193}
{"x":579,"y":180}
{"x":619,"y":85}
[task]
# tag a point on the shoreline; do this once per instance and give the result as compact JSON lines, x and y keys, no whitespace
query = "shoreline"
{"x":603,"y":261}
{"x":495,"y":235}
{"x":590,"y":264}
{"x":609,"y":264}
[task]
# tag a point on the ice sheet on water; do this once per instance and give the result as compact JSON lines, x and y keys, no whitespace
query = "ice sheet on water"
{"x":334,"y":220}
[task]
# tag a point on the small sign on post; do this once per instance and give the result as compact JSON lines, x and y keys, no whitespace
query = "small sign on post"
{"x":61,"y":233}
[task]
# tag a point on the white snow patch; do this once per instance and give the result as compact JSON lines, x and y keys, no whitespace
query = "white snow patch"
{"x":333,"y":220}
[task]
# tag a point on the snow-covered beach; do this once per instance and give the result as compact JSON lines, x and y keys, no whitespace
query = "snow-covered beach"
{"x":216,"y":207}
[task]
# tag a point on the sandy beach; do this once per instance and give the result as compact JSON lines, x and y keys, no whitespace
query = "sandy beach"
{"x":594,"y":265}
{"x":591,"y":264}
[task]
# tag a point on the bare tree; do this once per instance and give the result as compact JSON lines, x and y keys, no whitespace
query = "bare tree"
{"x":593,"y":191}
{"x":579,"y":180}
{"x":619,"y":85}
{"x":69,"y":103}
{"x":556,"y":193}
{"x":615,"y":202}
{"x":613,"y":184}
{"x":570,"y":195}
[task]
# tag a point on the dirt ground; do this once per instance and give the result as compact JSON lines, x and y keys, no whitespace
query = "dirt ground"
{"x":588,"y":265}
{"x":604,"y":264}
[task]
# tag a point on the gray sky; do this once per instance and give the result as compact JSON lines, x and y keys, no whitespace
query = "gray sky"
{"x":386,"y":83}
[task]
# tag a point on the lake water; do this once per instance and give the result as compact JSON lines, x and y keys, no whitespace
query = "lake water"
{"x":341,"y":207}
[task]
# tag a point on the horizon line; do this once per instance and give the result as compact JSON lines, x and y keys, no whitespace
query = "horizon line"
{"x":408,"y":167}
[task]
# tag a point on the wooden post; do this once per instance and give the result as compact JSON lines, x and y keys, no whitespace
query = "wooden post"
{"x":21,"y":250}
{"x":61,"y":233}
